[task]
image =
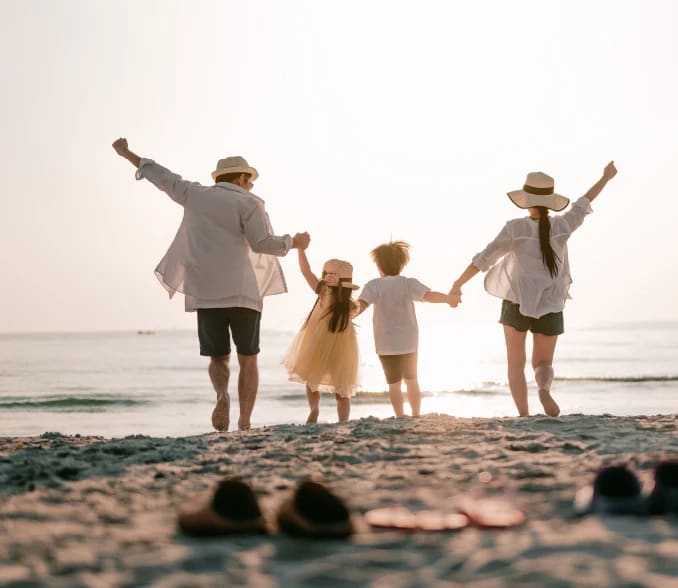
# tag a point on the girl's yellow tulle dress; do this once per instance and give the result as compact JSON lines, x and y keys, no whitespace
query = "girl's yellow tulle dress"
{"x":325,"y":361}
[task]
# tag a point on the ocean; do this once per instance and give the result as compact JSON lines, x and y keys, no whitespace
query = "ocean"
{"x":154,"y":383}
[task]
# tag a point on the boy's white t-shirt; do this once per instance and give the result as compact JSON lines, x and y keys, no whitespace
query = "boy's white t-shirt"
{"x":395,"y":322}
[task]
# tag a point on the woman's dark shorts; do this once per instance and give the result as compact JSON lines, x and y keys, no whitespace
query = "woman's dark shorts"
{"x":213,"y":331}
{"x":550,"y":324}
{"x":397,"y":367}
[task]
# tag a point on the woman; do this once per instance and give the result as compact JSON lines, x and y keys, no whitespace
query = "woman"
{"x":533,"y":279}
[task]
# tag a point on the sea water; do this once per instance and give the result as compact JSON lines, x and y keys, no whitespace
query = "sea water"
{"x":122,"y":383}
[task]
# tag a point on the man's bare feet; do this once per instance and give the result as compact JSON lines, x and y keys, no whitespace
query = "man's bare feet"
{"x":313,"y":416}
{"x":220,"y":414}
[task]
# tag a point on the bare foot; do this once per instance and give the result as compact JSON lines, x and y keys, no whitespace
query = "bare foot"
{"x":220,"y":414}
{"x":242,"y":426}
{"x":313,"y":416}
{"x":551,"y":407}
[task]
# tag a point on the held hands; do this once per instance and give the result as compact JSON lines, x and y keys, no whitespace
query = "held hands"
{"x":454,"y":297}
{"x":610,"y":171}
{"x":301,"y":241}
{"x":121,"y":147}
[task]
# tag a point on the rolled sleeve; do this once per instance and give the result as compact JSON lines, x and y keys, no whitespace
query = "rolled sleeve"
{"x":574,"y":217}
{"x":172,"y":184}
{"x":495,"y":250}
{"x":259,"y":235}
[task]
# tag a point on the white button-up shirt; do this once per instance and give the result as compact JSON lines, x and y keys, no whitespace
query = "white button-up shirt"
{"x":223,"y":253}
{"x":394,"y":319}
{"x":521,"y":276}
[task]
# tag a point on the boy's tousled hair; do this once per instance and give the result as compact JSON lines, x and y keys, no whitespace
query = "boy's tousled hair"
{"x":391,"y":257}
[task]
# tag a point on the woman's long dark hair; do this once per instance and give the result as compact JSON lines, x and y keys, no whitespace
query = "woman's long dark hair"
{"x":548,"y":255}
{"x":340,"y":307}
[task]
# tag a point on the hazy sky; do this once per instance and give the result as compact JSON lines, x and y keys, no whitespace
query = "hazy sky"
{"x":366,"y":120}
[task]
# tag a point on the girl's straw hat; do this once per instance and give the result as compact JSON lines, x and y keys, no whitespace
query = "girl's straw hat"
{"x":538,"y":191}
{"x":339,"y":273}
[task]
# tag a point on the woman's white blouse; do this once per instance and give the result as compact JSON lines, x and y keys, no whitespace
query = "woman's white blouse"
{"x":521,"y":275}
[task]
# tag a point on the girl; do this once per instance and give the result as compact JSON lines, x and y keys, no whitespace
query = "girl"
{"x":533,"y":279}
{"x":324,"y":354}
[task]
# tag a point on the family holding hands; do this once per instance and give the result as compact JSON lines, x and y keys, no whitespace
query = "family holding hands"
{"x":224,"y":259}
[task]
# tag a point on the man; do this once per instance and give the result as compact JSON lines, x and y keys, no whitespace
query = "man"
{"x":222,"y":260}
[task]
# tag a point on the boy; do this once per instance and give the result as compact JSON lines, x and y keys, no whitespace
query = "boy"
{"x":396,"y":334}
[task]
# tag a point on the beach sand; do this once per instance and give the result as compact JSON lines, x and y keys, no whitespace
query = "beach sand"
{"x":89,"y":511}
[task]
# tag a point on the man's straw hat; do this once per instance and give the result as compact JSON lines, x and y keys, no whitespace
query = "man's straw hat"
{"x":234,"y":165}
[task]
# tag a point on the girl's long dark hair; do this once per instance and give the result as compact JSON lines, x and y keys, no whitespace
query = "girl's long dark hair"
{"x":548,"y":255}
{"x":340,"y":307}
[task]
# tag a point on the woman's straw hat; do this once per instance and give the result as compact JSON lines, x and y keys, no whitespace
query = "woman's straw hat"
{"x":538,"y":191}
{"x":339,"y":273}
{"x":234,"y":165}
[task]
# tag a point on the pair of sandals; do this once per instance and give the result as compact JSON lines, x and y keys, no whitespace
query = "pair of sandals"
{"x":486,"y":511}
{"x":315,"y":511}
{"x":617,"y":490}
{"x":311,"y":511}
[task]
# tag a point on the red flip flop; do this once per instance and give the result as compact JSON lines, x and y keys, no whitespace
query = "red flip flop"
{"x":401,"y":518}
{"x":492,"y":512}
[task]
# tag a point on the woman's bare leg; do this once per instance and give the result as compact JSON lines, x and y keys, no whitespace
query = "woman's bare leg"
{"x":413,"y":396}
{"x":542,"y":362}
{"x":396,"y":394}
{"x":515,"y":357}
{"x":313,"y":397}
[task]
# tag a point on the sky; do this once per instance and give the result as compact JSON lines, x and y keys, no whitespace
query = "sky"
{"x":368,"y":121}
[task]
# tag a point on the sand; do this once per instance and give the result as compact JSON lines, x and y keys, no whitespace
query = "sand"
{"x":90,"y":511}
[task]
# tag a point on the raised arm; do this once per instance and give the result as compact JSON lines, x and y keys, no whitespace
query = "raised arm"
{"x":608,"y":173}
{"x":311,"y":279}
{"x":122,"y":149}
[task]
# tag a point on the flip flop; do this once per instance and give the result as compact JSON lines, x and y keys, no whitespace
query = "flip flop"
{"x":615,"y":490}
{"x":233,"y":509}
{"x":491,"y":512}
{"x":663,"y":498}
{"x":401,"y":518}
{"x":315,"y":511}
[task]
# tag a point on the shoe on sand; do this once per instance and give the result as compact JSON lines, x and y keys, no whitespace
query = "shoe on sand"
{"x":315,"y":511}
{"x":403,"y":519}
{"x":220,"y":414}
{"x":663,"y":498}
{"x":551,"y":407}
{"x":233,"y":509}
{"x":492,"y":511}
{"x":615,"y":490}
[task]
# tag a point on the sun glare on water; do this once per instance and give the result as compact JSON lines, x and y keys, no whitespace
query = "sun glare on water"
{"x":461,"y":373}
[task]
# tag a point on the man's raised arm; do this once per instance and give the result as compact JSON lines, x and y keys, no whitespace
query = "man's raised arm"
{"x":121,"y":148}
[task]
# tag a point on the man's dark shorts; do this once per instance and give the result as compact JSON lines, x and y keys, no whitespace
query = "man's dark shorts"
{"x":550,"y":324}
{"x":213,"y":331}
{"x":397,"y":367}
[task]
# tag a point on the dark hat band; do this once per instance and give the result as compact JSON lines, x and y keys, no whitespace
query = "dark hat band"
{"x":537,"y":191}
